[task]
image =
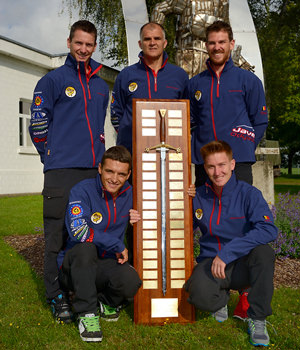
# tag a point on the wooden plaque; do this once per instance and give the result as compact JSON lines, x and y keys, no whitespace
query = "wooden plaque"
{"x":157,"y":124}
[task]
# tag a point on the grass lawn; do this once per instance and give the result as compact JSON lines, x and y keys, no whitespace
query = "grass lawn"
{"x":26,"y":321}
{"x":287,"y":183}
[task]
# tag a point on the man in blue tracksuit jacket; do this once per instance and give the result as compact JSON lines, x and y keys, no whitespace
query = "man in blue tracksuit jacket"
{"x":236,"y":225}
{"x":67,"y":128}
{"x":94,"y":264}
{"x":227,"y":103}
{"x":151,"y":78}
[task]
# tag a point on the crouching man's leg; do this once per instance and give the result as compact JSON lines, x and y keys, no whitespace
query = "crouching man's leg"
{"x":208,"y":293}
{"x":116,"y":284}
{"x":78,"y":274}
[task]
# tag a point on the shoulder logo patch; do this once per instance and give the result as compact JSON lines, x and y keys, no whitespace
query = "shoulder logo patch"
{"x":132,"y":87}
{"x":96,"y":218}
{"x":198,"y":95}
{"x":70,"y":91}
{"x":199,"y":214}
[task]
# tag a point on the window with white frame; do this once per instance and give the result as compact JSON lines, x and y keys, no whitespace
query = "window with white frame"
{"x":25,"y":143}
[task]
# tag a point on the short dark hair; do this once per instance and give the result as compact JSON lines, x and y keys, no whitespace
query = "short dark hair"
{"x":84,"y":25}
{"x":152,"y":25}
{"x":216,"y":147}
{"x":219,"y":26}
{"x":119,"y":153}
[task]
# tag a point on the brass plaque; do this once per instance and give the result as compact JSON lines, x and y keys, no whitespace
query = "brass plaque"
{"x":149,"y":176}
{"x":148,"y":132}
{"x":176,"y":204}
{"x":148,"y":113}
{"x":149,"y":185}
{"x":148,"y":157}
{"x":177,"y":283}
{"x":164,"y":307}
{"x":149,"y":225}
{"x":174,"y":113}
{"x":150,"y":284}
{"x":176,"y":185}
{"x":174,"y":132}
{"x":149,"y":215}
{"x":175,"y":156}
{"x":177,"y":234}
{"x":176,"y":195}
{"x":149,"y":166}
{"x":149,"y":195}
{"x":149,"y":205}
{"x":151,"y":245}
{"x":149,"y":122}
{"x":176,"y":224}
{"x":148,"y":234}
{"x":177,"y":254}
{"x":150,"y":275}
{"x":175,"y":166}
{"x":152,"y":264}
{"x":175,"y":123}
{"x":176,"y":175}
{"x":177,"y":264}
{"x":177,"y":243}
{"x":176,"y":214}
{"x":176,"y":274}
{"x":150,"y":254}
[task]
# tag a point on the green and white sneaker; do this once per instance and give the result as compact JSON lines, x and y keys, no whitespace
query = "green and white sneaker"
{"x":258,"y":332}
{"x":109,"y":313}
{"x":89,"y":328}
{"x":221,"y":315}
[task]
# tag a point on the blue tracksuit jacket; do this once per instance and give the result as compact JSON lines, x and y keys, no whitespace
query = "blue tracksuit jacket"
{"x":233,"y":223}
{"x":93,"y":215}
{"x":140,"y":81}
{"x":67,"y":116}
{"x":231,"y":108}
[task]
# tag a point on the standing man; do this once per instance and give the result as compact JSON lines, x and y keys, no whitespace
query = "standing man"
{"x":227,"y":103}
{"x":67,"y":128}
{"x":152,"y":77}
{"x":94,"y":264}
{"x":236,"y":225}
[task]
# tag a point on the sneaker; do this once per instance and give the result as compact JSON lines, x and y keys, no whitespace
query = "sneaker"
{"x":61,"y":309}
{"x":109,"y":313}
{"x":89,"y":328}
{"x":258,"y":332}
{"x":221,"y":315}
{"x":240,"y":310}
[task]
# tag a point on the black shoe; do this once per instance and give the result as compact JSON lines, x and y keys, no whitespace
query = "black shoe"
{"x":61,"y":309}
{"x":89,"y":328}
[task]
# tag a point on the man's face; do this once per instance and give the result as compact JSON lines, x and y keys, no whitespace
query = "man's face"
{"x":113,"y":175}
{"x":82,"y":45}
{"x":219,"y":47}
{"x":152,"y":42}
{"x":218,"y":167}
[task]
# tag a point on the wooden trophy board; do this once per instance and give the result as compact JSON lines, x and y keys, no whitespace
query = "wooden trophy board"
{"x":151,"y":304}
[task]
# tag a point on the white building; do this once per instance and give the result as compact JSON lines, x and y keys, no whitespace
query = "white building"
{"x":20,"y":69}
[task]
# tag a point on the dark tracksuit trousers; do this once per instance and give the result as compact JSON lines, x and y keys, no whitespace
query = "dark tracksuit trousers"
{"x":92,"y":278}
{"x":255,"y":270}
{"x":57,"y":186}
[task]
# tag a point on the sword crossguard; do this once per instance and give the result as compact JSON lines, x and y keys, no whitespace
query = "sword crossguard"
{"x":163,"y":145}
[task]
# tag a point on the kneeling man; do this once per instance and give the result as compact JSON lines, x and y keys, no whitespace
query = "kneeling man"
{"x":236,"y":225}
{"x":94,"y":264}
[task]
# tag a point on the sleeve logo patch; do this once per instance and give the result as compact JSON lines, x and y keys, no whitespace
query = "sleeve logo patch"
{"x":199,"y":214}
{"x":76,"y":210}
{"x":198,"y":95}
{"x":96,"y":218}
{"x":38,"y":101}
{"x":70,"y":91}
{"x":132,"y":87}
{"x":267,"y":218}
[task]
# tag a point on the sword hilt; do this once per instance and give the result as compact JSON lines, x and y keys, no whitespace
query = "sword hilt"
{"x":162,"y":113}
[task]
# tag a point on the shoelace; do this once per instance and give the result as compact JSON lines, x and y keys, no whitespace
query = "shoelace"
{"x":91,"y":323}
{"x":261,"y":325}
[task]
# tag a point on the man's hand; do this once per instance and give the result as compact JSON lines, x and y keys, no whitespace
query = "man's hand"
{"x":134,"y":216}
{"x":192,"y":191}
{"x":218,"y":268}
{"x":122,"y":257}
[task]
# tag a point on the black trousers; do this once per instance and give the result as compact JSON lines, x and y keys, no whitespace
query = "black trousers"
{"x":57,"y":186}
{"x":92,"y":278}
{"x":255,"y":270}
{"x":243,"y":171}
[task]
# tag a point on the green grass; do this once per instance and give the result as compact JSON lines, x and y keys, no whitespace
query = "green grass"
{"x":287,"y":183}
{"x":295,"y":171}
{"x":26,"y":321}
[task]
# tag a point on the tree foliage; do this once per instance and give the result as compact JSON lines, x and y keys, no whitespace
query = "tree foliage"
{"x":278,"y":29}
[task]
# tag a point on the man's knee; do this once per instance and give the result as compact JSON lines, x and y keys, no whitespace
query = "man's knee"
{"x":83,"y":253}
{"x":262,"y":254}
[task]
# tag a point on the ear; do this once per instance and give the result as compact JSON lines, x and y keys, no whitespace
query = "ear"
{"x":140,"y":44}
{"x":232,"y":164}
{"x":99,"y":169}
{"x":68,"y":43}
{"x":165,"y":44}
{"x":232,"y":43}
{"x":129,"y":172}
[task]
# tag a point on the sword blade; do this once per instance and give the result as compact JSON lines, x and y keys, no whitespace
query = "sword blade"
{"x":163,"y":218}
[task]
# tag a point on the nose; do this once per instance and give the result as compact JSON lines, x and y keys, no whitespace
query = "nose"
{"x":217,"y":171}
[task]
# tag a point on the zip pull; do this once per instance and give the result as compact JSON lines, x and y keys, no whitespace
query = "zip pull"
{"x":155,"y":83}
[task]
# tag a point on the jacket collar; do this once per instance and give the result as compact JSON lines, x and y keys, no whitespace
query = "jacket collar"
{"x":165,"y":58}
{"x":71,"y":62}
{"x":101,"y":189}
{"x":228,"y":65}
